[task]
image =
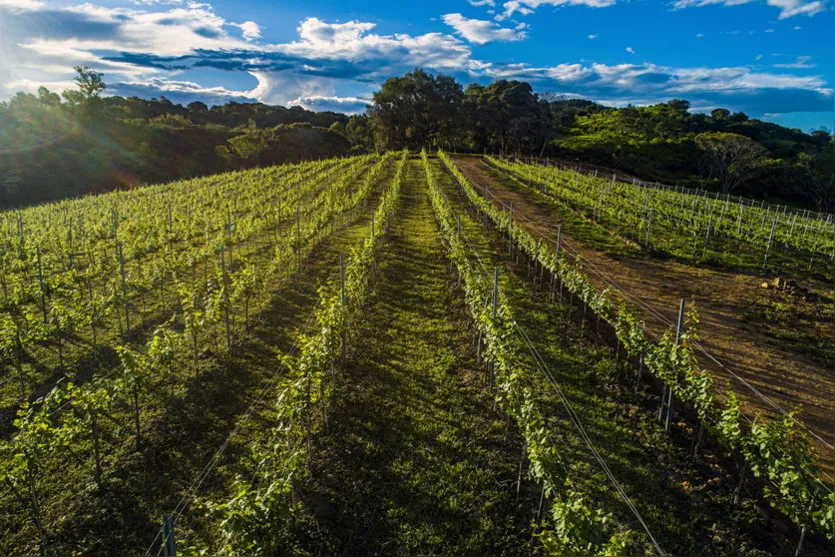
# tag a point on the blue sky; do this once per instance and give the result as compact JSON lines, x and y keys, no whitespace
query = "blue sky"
{"x":772,"y":59}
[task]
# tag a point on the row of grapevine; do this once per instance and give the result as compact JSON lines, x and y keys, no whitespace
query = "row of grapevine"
{"x":79,"y":299}
{"x":74,"y":421}
{"x":682,"y":223}
{"x":699,"y":192}
{"x":147,"y":219}
{"x":256,"y":518}
{"x":773,"y":450}
{"x":577,"y":528}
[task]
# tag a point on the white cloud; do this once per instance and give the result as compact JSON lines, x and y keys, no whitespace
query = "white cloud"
{"x":158,"y":2}
{"x":175,"y":32}
{"x":630,"y":50}
{"x":250,"y":30}
{"x":285,"y":88}
{"x":791,"y":8}
{"x":31,"y":86}
{"x":316,"y":32}
{"x":699,"y":35}
{"x":788,"y":8}
{"x":526,"y":7}
{"x":797,"y":28}
{"x":768,"y":31}
{"x":21,"y":4}
{"x":801,"y":63}
{"x":337,"y":64}
{"x":481,"y":3}
{"x":351,"y":42}
{"x":346,"y":105}
{"x":652,"y":82}
{"x":479,"y":31}
{"x":592,"y":37}
{"x":190,"y":87}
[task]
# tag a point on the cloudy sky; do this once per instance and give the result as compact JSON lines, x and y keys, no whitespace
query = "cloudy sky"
{"x":770,"y":58}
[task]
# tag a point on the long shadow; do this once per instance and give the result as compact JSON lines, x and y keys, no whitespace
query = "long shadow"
{"x":414,"y":462}
{"x":139,"y":487}
{"x":749,"y":352}
{"x":683,"y":502}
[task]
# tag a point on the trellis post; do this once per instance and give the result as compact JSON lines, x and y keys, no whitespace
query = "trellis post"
{"x":169,"y":542}
{"x":124,"y":289}
{"x":679,"y":331}
{"x":342,"y":305}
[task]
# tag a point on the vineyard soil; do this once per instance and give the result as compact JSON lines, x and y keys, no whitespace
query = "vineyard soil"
{"x":786,"y":376}
{"x":361,"y":356}
{"x":415,"y":461}
{"x":686,"y":504}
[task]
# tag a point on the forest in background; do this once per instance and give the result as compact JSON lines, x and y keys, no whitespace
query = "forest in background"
{"x":56,"y":146}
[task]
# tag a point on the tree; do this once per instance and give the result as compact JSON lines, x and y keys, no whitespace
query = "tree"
{"x":337,"y":127}
{"x":506,"y":116}
{"x":359,"y":133}
{"x":678,"y":108}
{"x":815,"y":178}
{"x":564,"y":111}
{"x":822,"y":137}
{"x":90,"y":86}
{"x":252,"y":148}
{"x":197,"y":107}
{"x":47,"y":97}
{"x":731,"y":158}
{"x":720,"y":114}
{"x":415,"y":111}
{"x":738,"y":117}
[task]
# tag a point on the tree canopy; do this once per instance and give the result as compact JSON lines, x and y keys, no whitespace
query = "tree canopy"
{"x":54,"y":146}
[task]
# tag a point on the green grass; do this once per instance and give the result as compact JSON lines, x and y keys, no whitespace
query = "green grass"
{"x":181,"y":431}
{"x":416,"y":461}
{"x":687,"y":504}
{"x":719,"y":252}
{"x":799,"y":322}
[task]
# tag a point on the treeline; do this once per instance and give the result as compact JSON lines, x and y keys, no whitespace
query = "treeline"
{"x":55,"y":146}
{"x":723,"y":151}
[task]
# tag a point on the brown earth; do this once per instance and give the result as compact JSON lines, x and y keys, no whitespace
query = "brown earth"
{"x":735,"y":351}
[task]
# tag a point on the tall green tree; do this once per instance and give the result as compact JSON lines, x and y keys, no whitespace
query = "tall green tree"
{"x":359,"y":133}
{"x":415,"y":111}
{"x":814,"y":176}
{"x":90,"y":85}
{"x":730,"y":158}
{"x":506,"y":116}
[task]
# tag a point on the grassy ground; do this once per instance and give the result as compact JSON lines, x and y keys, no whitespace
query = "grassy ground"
{"x":415,"y":461}
{"x":785,"y":364}
{"x":83,"y":360}
{"x":182,"y":433}
{"x":716,"y":251}
{"x":687,"y":504}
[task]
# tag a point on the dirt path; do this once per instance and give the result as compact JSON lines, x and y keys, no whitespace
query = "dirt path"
{"x":782,"y":376}
{"x":685,"y":503}
{"x":415,"y":461}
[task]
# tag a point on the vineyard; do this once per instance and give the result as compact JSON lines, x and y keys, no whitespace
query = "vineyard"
{"x":416,"y":353}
